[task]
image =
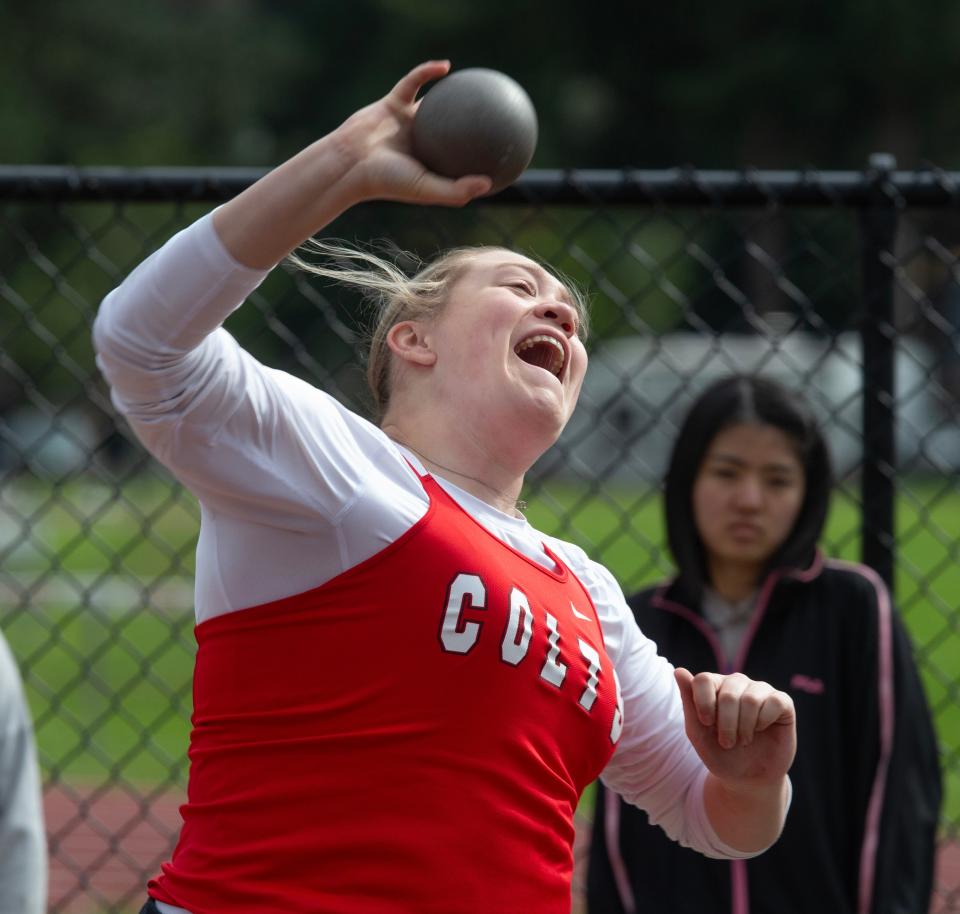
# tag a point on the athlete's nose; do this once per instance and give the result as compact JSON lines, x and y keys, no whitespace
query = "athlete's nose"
{"x":563,"y":315}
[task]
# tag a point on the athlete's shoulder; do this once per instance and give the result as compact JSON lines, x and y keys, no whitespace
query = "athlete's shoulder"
{"x":590,"y":572}
{"x":616,"y":620}
{"x":321,"y":419}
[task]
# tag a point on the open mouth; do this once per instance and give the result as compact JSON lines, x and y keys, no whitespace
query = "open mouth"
{"x":544,"y":351}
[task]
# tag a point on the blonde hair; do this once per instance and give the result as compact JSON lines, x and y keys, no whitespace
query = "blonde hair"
{"x":398,"y":296}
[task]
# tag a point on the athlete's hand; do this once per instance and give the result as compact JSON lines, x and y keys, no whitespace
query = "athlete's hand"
{"x":377,"y":140}
{"x":745,"y":731}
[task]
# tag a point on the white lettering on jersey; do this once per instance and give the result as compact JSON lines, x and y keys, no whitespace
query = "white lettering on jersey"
{"x":617,"y":727}
{"x":459,"y":637}
{"x":589,"y":695}
{"x":511,"y":649}
{"x":553,"y":671}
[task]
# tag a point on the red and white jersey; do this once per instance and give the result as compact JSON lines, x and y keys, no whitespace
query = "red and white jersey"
{"x":297,"y":492}
{"x":413,"y":735}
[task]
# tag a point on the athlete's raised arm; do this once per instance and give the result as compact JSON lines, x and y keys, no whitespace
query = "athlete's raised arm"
{"x":184,"y":384}
{"x":367,"y":158}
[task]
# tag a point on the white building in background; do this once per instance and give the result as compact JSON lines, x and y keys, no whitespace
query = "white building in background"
{"x":639,"y":388}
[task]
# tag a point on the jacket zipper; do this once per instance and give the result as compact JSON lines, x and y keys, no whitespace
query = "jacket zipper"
{"x":739,"y":887}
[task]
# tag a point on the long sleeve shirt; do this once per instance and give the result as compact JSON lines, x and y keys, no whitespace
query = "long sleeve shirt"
{"x":294,"y":489}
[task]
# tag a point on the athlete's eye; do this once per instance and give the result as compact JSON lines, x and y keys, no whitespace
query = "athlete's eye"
{"x":523,"y":285}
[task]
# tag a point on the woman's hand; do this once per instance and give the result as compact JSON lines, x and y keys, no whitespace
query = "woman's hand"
{"x":744,"y":731}
{"x":368,"y":157}
{"x":377,"y":142}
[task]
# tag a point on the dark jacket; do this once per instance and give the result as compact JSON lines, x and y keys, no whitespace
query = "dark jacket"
{"x":860,"y":834}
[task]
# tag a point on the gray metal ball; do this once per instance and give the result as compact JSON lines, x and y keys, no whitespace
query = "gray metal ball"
{"x":476,"y":122}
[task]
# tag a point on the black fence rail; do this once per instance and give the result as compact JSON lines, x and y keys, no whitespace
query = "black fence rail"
{"x":845,"y":285}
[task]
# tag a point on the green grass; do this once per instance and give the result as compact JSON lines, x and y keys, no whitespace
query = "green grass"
{"x":107,"y":652}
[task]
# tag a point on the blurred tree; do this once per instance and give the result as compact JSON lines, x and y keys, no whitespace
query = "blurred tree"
{"x":139,"y":83}
{"x":249,"y":81}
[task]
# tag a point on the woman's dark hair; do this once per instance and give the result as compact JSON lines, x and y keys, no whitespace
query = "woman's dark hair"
{"x":732,"y":401}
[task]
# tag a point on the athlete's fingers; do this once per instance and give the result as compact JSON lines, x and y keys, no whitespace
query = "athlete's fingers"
{"x":729,"y":695}
{"x":684,"y":680}
{"x":777,"y":708}
{"x":751,"y":702}
{"x":703,"y":690}
{"x":405,"y":91}
{"x":432,"y":188}
{"x":738,"y":707}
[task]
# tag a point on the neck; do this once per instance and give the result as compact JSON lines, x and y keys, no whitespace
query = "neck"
{"x":732,"y":581}
{"x":480,"y":478}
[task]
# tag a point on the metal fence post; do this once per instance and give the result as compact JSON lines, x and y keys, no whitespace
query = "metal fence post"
{"x":878,"y":227}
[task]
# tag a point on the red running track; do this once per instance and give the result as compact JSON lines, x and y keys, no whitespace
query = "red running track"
{"x":106,"y":842}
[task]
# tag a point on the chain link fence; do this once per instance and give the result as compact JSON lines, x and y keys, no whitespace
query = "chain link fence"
{"x":843,"y":284}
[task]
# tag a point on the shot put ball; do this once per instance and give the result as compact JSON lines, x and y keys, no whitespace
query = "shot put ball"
{"x":476,"y":122}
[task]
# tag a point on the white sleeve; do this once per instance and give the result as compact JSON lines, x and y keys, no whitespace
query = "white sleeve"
{"x":23,"y":841}
{"x":245,"y":439}
{"x":654,"y":765}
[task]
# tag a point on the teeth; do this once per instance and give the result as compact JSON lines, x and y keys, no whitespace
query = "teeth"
{"x":555,"y":364}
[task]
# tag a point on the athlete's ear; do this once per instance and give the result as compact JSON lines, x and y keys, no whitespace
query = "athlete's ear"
{"x":409,"y":341}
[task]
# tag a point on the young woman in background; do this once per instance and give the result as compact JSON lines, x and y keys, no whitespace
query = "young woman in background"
{"x":746,"y":497}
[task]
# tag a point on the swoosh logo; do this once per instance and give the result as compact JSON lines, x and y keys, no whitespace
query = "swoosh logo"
{"x":579,"y":614}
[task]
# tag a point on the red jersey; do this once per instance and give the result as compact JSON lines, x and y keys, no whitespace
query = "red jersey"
{"x":411,"y":736}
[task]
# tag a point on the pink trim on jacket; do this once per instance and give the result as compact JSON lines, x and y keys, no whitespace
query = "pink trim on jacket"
{"x":739,"y":884}
{"x":611,"y":828}
{"x":739,"y":887}
{"x":760,"y":608}
{"x":886,"y":700}
{"x":763,"y":600}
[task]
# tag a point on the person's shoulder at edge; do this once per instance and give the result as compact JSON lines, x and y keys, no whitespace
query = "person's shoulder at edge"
{"x":12,"y":700}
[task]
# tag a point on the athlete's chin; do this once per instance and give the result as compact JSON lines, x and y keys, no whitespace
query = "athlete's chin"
{"x":546,"y":413}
